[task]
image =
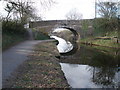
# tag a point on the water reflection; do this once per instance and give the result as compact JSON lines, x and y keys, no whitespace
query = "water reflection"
{"x":106,"y":77}
{"x":63,"y":46}
{"x":77,"y":75}
{"x":66,"y":40}
{"x":85,"y":76}
{"x":87,"y":67}
{"x":92,"y":68}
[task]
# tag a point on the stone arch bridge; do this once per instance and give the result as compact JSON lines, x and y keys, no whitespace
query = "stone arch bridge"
{"x":48,"y":26}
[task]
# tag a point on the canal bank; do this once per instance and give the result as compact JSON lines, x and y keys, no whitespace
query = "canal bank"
{"x":41,"y":70}
{"x":109,"y":42}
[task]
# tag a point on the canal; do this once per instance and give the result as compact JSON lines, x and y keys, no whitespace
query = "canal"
{"x":92,"y":67}
{"x":87,"y":66}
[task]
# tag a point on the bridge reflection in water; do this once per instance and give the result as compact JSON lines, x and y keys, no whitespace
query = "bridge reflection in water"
{"x":91,"y":67}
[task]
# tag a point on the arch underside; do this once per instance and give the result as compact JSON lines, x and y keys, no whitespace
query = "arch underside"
{"x":76,"y":34}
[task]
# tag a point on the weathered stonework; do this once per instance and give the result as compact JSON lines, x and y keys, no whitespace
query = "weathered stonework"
{"x":49,"y":25}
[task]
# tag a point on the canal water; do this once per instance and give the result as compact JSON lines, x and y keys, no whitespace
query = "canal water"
{"x":89,"y":66}
{"x":92,"y":68}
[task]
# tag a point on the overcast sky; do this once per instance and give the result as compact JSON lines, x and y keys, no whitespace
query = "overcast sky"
{"x":58,"y":11}
{"x":62,"y":7}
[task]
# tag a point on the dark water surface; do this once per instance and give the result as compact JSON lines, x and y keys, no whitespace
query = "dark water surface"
{"x":92,"y":67}
{"x":85,"y":66}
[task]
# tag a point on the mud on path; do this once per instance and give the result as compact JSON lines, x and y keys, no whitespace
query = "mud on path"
{"x":39,"y":70}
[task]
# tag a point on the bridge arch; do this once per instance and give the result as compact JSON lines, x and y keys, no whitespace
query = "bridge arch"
{"x":76,"y":34}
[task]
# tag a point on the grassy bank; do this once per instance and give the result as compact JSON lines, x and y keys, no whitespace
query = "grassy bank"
{"x":41,"y":70}
{"x":100,"y":42}
{"x":41,"y":36}
{"x":110,"y":40}
{"x":9,"y":40}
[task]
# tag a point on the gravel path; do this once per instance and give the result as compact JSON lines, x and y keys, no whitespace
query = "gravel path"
{"x":15,"y":56}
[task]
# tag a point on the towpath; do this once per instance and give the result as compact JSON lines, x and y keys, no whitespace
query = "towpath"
{"x":15,"y":56}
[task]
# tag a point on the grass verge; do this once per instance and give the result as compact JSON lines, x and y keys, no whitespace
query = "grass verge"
{"x":101,"y":42}
{"x":41,"y":70}
{"x":41,"y":36}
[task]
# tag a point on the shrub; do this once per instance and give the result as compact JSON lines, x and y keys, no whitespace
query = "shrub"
{"x":104,"y":25}
{"x":12,"y":33}
{"x":13,"y":27}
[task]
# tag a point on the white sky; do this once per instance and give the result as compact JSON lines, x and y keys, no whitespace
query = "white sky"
{"x":61,"y":8}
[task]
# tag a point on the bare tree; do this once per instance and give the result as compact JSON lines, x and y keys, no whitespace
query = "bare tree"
{"x":47,"y":3}
{"x":25,"y":10}
{"x":107,"y":9}
{"x":22,"y":9}
{"x":73,"y":14}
